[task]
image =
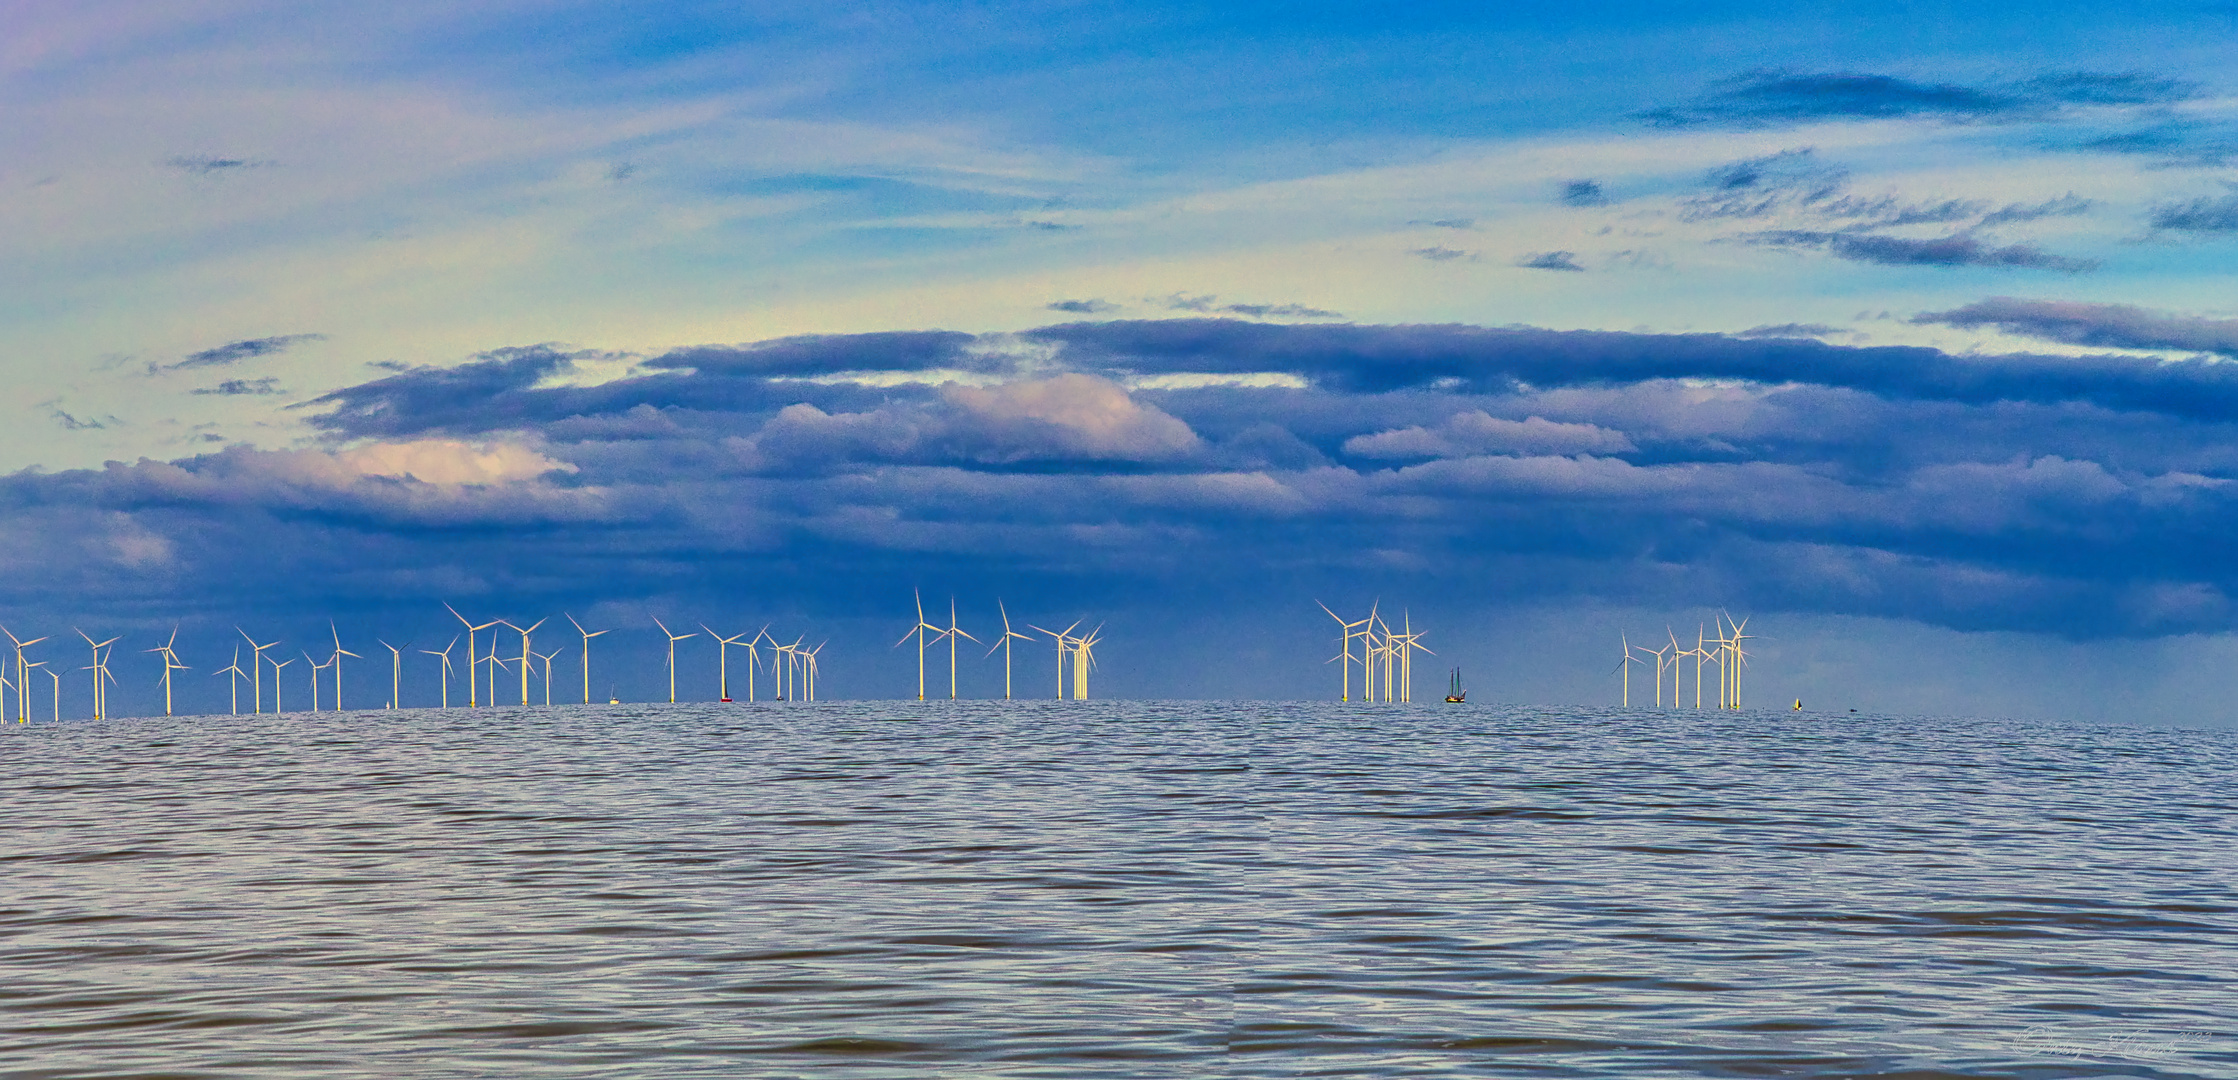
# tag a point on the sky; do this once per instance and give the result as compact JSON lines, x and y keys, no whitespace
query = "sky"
{"x":1902,"y":332}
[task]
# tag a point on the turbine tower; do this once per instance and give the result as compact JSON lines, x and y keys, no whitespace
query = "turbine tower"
{"x":1064,"y":651}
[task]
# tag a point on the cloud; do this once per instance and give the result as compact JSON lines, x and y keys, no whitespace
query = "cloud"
{"x":2202,"y":215}
{"x":1082,"y":307}
{"x":1953,"y":250}
{"x":2115,"y":326}
{"x":205,"y":165}
{"x":2067,"y":205}
{"x":1771,"y":98}
{"x":1550,"y":260}
{"x":237,"y":351}
{"x":1438,"y":254}
{"x":1211,"y":305}
{"x":241,"y":387}
{"x":1583,"y":193}
{"x":1790,"y":330}
{"x":1068,"y":418}
{"x":71,"y":422}
{"x":1466,"y":434}
{"x":1448,"y":223}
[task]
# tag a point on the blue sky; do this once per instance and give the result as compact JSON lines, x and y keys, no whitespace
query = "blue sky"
{"x":1903,"y":329}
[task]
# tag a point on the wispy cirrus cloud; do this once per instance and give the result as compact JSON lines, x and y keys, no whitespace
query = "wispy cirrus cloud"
{"x":236,"y":351}
{"x":1771,"y":98}
{"x":1953,"y":250}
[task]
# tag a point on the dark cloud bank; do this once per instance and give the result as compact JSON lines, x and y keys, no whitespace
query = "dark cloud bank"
{"x":2087,"y":497}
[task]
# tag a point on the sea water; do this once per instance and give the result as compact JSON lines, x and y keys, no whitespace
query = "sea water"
{"x":1099,"y":889}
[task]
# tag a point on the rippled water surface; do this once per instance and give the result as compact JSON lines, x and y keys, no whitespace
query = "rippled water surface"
{"x":1114,"y":889}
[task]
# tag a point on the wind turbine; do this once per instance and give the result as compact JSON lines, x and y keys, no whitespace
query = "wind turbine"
{"x":754,"y":659}
{"x":587,"y":636}
{"x":100,"y":699}
{"x":256,"y":663}
{"x":524,"y":656}
{"x":336,"y":660}
{"x":57,"y":677}
{"x":235,"y":682}
{"x":1409,"y":644}
{"x":315,"y":666}
{"x":170,"y":664}
{"x":446,"y":656}
{"x":812,"y":668}
{"x":276,"y":666}
{"x":673,"y":638}
{"x":396,"y":674}
{"x":723,"y":645}
{"x":1348,"y":636}
{"x":952,"y":633}
{"x":1629,"y":660}
{"x":472,"y":669}
{"x":918,"y":631}
{"x":1083,"y":659}
{"x":1064,"y":649}
{"x":23,"y":676}
{"x":1658,"y":654}
{"x":547,"y":658}
{"x":1002,"y":643}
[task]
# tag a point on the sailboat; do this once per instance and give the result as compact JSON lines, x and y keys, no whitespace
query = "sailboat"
{"x":1455,"y":694}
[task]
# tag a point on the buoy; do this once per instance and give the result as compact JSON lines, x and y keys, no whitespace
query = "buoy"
{"x":1798,"y":704}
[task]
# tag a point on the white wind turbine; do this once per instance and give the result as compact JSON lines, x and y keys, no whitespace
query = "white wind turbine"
{"x":473,"y":670}
{"x":396,"y":674}
{"x":57,"y":677}
{"x":951,"y":633}
{"x":276,"y":666}
{"x":1002,"y":643}
{"x":1626,"y":667}
{"x":170,"y":664}
{"x":1660,"y":660}
{"x":235,"y":682}
{"x":445,"y":655}
{"x":547,"y":659}
{"x":99,"y":669}
{"x":1409,"y":644}
{"x":1064,"y":650}
{"x":1083,"y":660}
{"x":1346,"y":655}
{"x":23,"y":676}
{"x":336,"y":660}
{"x":587,"y":636}
{"x":918,"y":631}
{"x":723,"y":647}
{"x":673,"y":638}
{"x":256,"y":662}
{"x":525,"y":654}
{"x":754,"y":659}
{"x":811,"y":668}
{"x":796,"y":668}
{"x":315,"y":666}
